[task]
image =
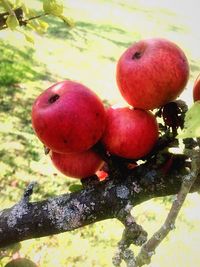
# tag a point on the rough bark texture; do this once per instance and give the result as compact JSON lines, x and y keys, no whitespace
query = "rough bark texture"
{"x":27,"y":220}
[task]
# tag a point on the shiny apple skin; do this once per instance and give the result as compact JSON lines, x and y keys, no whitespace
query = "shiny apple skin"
{"x":151,"y":73}
{"x":196,"y":89}
{"x":77,"y":165}
{"x":68,"y":117}
{"x":130,"y":133}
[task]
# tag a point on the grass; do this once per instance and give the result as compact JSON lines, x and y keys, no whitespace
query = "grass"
{"x":88,"y":54}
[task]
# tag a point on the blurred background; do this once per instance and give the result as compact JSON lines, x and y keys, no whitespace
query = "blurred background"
{"x":88,"y":53}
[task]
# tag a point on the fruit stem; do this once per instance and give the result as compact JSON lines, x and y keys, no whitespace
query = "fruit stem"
{"x":137,"y":55}
{"x":53,"y":98}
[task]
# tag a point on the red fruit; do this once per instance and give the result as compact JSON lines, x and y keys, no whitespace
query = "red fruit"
{"x":151,"y":73}
{"x":130,"y":133}
{"x":68,"y":117}
{"x":102,"y":175}
{"x":132,"y":166}
{"x":196,"y":89}
{"x":77,"y":165}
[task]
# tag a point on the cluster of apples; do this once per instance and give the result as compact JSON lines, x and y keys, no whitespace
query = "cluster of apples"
{"x":69,"y":118}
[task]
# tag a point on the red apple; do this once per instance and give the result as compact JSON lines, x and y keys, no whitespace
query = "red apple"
{"x":77,"y":165}
{"x":196,"y":89}
{"x":102,"y":175}
{"x":151,"y":73}
{"x":68,"y":117}
{"x":130,"y":133}
{"x":132,"y":166}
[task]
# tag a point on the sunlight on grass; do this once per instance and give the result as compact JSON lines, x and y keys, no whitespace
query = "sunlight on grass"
{"x":88,"y":53}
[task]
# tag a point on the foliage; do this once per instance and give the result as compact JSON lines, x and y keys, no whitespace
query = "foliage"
{"x":12,"y":22}
{"x":53,"y":7}
{"x":17,"y":14}
{"x":192,"y":122}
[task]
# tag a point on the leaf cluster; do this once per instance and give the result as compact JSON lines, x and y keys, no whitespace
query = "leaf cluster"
{"x":17,"y":13}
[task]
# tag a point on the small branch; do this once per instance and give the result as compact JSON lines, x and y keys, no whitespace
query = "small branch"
{"x":133,"y":234}
{"x":144,"y":257}
{"x":125,"y":254}
{"x":24,"y":22}
{"x":28,"y":191}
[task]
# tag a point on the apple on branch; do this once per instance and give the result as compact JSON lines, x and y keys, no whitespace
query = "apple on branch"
{"x":130,"y":133}
{"x":151,"y":73}
{"x":77,"y":165}
{"x":196,"y":89}
{"x":68,"y":117}
{"x":101,"y":174}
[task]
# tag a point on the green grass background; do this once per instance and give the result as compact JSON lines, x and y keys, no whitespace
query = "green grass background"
{"x":88,"y":53}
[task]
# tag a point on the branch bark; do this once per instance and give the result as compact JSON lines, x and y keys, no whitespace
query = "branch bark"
{"x":148,"y":249}
{"x":67,"y":212}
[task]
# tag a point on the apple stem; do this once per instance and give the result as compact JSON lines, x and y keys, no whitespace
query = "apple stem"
{"x":53,"y":98}
{"x":137,"y":55}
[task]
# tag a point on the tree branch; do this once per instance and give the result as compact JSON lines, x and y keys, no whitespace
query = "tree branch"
{"x":148,"y":249}
{"x":27,"y":220}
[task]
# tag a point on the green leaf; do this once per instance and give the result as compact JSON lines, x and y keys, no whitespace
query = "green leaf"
{"x":12,"y":22}
{"x":43,"y":25}
{"x":29,"y":38}
{"x":192,"y":122}
{"x":70,"y":23}
{"x":25,"y":9}
{"x":39,"y":26}
{"x":18,"y":2}
{"x":75,"y":187}
{"x":53,"y":7}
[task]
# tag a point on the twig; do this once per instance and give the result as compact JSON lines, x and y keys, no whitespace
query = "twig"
{"x":24,"y":22}
{"x":147,"y":250}
{"x":28,"y":191}
{"x":133,"y":234}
